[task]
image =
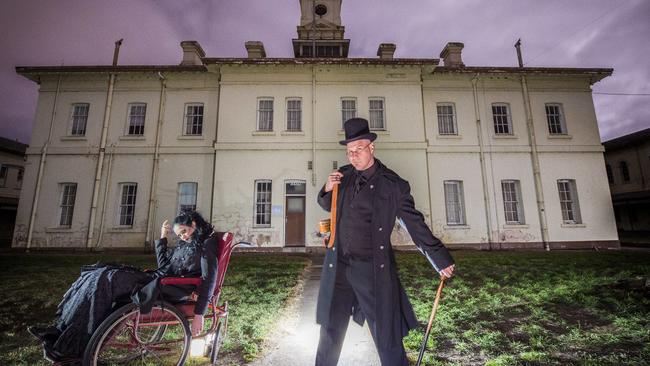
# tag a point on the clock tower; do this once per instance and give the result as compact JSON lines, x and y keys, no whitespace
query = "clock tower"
{"x":320,"y":28}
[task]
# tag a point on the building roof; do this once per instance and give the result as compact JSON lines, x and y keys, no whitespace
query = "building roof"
{"x":12,"y":146}
{"x":634,"y":138}
{"x":33,"y":72}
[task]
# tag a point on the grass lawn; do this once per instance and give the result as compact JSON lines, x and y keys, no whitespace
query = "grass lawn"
{"x":534,"y":308}
{"x":32,"y":286}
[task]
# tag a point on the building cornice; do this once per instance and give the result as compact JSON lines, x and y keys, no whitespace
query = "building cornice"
{"x":34,"y":72}
{"x":595,"y":74}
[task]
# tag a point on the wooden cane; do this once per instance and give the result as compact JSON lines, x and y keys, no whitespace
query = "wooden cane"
{"x":335,"y":193}
{"x":433,"y":315}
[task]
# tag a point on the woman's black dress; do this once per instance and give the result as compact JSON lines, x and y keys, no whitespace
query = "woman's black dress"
{"x":101,"y":288}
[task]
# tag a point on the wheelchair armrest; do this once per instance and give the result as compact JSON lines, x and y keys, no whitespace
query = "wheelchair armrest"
{"x":181,"y":281}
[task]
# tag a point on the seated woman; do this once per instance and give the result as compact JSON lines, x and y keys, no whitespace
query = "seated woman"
{"x":93,"y":296}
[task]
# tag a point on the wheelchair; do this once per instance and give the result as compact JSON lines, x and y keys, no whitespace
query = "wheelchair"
{"x":163,"y":336}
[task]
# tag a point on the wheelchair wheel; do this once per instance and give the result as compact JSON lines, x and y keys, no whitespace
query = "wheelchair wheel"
{"x":127,"y":337}
{"x":219,"y":335}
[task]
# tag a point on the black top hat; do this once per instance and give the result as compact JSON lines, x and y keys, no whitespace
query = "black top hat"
{"x":357,"y":129}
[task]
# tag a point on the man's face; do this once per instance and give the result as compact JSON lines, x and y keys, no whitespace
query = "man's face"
{"x":360,"y":154}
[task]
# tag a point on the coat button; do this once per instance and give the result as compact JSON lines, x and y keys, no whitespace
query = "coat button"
{"x":331,"y":265}
{"x":381,"y":265}
{"x":371,"y":186}
{"x":381,"y":247}
{"x":380,"y":229}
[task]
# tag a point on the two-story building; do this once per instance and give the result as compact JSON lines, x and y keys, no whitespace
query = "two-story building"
{"x":497,"y":157}
{"x":12,"y":171}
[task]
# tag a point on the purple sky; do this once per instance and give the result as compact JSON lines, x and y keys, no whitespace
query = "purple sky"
{"x":576,"y":33}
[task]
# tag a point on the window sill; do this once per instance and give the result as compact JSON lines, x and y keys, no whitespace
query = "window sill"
{"x":515,"y":226}
{"x":559,"y":136}
{"x":378,"y":132}
{"x":123,"y":229}
{"x":191,"y":137}
{"x":292,"y":133}
{"x":505,"y":136}
{"x":263,"y":228}
{"x":73,"y":138}
{"x":450,"y":136}
{"x":456,"y":227}
{"x":59,"y":229}
{"x":132,"y":137}
{"x":573,"y":225}
{"x":263,"y":133}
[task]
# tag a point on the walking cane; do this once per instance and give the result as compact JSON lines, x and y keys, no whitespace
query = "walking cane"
{"x":433,"y":315}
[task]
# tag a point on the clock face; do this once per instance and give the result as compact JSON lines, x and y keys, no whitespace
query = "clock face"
{"x":320,"y":10}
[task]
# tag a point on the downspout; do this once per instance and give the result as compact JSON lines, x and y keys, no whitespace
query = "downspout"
{"x":214,"y":145}
{"x":106,"y":187}
{"x":535,"y":160}
{"x":156,"y":160}
{"x":100,"y":160}
{"x":313,"y":126}
{"x":479,"y":136}
{"x":426,"y":139}
{"x":41,"y":167}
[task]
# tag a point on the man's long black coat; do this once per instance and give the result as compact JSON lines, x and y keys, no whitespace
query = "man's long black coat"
{"x":391,"y":199}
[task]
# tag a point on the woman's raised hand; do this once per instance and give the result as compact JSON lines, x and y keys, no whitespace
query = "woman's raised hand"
{"x":165,"y":229}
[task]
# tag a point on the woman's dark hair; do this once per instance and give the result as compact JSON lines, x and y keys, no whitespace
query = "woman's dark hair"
{"x":203,"y":228}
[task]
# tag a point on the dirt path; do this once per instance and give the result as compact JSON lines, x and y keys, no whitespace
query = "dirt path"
{"x":295,"y":341}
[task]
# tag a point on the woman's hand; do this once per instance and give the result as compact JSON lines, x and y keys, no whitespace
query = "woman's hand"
{"x":448,"y":272}
{"x":197,"y":325}
{"x":165,"y":229}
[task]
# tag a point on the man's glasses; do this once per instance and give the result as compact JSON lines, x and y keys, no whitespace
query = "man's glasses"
{"x":357,"y":150}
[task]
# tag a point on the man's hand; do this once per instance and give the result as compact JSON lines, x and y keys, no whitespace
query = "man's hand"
{"x":332,"y":180}
{"x":447,"y":272}
{"x":165,"y":229}
{"x":197,"y":325}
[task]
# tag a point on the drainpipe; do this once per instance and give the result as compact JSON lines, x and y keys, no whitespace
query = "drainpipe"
{"x":479,"y":136}
{"x":106,"y":187}
{"x":539,"y":194}
{"x":426,"y":139}
{"x":41,"y":167}
{"x":100,"y":160}
{"x":214,"y":144}
{"x":313,"y":126}
{"x":156,"y":161}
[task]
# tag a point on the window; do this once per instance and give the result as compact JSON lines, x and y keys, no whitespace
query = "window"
{"x":454,"y":202}
{"x":625,"y":172}
{"x":501,"y":118}
{"x":265,"y":114}
{"x":187,"y":196}
{"x":194,"y":119}
{"x":555,"y":119}
{"x":127,"y":203}
{"x":610,"y":175}
{"x":512,"y":202}
{"x":569,"y":201}
{"x":446,"y":119}
{"x":79,"y":119}
{"x":377,"y":114}
{"x":294,"y":114}
{"x":348,"y":109}
{"x":137,"y":113}
{"x":262,"y":203}
{"x":66,"y":207}
{"x":4,"y":170}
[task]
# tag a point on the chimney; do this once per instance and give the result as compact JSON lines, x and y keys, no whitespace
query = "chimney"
{"x":386,"y":50}
{"x":451,"y":54}
{"x":192,"y":53}
{"x":255,"y":49}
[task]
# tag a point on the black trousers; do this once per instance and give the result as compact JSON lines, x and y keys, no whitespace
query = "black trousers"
{"x":354,"y":280}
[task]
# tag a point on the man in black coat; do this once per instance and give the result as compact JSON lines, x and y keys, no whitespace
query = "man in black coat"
{"x":359,"y":275}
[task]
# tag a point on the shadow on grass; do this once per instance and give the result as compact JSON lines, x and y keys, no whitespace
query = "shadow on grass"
{"x":530,"y":308}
